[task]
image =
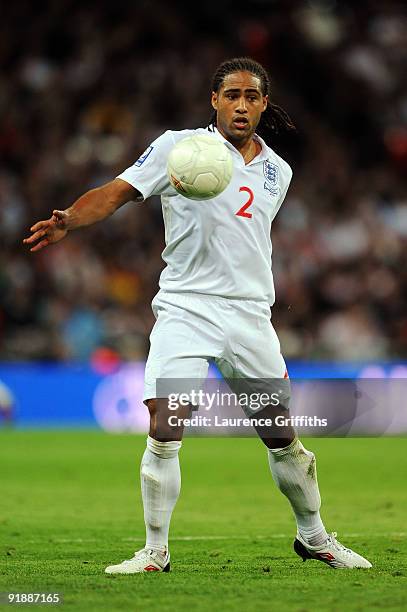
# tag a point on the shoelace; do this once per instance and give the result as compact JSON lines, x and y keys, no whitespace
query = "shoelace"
{"x":338,"y":545}
{"x":137,"y":552}
{"x":144,"y":552}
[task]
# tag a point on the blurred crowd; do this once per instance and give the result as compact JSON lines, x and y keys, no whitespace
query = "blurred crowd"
{"x":84,"y":88}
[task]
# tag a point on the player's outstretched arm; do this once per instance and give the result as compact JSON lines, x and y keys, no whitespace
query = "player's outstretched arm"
{"x":94,"y":205}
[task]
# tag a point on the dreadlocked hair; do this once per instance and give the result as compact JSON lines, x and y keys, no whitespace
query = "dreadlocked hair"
{"x":274,"y":119}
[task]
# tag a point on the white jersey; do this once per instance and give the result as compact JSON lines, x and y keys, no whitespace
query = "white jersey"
{"x":220,"y":246}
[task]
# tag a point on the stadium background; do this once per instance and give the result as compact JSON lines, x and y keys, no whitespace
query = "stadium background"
{"x":84,"y":87}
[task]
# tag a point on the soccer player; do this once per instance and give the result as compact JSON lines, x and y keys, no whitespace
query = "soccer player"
{"x":214,"y":302}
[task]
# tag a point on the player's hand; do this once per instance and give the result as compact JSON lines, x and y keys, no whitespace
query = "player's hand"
{"x":48,"y":232}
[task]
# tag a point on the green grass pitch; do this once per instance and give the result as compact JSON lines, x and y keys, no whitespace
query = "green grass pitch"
{"x":70,"y":505}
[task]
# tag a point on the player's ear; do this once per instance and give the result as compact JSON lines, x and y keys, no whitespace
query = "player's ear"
{"x":265,"y":102}
{"x":214,"y":100}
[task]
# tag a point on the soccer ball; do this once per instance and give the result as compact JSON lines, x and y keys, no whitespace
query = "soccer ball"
{"x":200,"y":167}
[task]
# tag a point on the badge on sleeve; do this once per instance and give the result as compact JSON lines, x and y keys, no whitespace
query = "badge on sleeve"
{"x":143,"y":157}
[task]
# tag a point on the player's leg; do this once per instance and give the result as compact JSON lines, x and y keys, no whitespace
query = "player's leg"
{"x":160,"y":477}
{"x":294,"y":471}
{"x":160,"y":473}
{"x":260,"y":371}
{"x":293,"y":467}
{"x":175,"y":362}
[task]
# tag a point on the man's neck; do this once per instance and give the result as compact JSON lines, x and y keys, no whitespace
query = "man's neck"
{"x":248,"y":148}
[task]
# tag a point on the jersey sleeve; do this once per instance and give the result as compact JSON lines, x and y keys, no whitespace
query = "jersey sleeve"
{"x":148,"y":174}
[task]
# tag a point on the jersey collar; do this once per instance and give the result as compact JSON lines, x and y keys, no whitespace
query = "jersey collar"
{"x":264,"y":153}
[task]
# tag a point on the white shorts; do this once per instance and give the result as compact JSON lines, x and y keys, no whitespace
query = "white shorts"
{"x":193,"y":329}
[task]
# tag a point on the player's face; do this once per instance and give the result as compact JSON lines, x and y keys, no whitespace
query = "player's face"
{"x":239,"y":104}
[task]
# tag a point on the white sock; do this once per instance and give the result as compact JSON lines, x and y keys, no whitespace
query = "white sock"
{"x":294,"y":472}
{"x":160,"y":488}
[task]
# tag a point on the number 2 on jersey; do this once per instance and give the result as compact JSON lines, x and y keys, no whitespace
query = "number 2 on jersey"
{"x":242,"y":211}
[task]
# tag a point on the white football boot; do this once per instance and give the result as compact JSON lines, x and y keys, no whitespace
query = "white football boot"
{"x":144,"y":560}
{"x":331,"y":552}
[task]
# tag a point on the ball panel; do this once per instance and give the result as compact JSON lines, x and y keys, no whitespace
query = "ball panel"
{"x":206,"y":182}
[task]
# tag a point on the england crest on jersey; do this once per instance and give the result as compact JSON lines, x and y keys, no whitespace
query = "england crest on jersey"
{"x":271,"y":173}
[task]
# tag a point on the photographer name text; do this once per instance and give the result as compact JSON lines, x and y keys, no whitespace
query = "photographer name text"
{"x":278,"y":421}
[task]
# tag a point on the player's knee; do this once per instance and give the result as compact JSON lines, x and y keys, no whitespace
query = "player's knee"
{"x":152,"y":407}
{"x":162,"y":427}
